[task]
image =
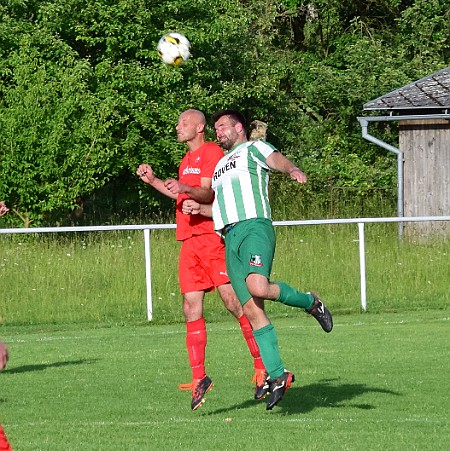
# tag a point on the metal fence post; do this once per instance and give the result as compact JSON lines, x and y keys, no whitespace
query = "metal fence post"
{"x":362,"y":265}
{"x":148,"y":274}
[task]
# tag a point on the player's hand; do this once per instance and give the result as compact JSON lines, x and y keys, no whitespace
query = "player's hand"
{"x":145,"y":172}
{"x":190,"y":207}
{"x":3,"y":208}
{"x":3,"y":355}
{"x":298,"y":175}
{"x":175,"y":187}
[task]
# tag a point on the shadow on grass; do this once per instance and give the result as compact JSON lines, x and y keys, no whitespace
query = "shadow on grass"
{"x":325,"y":393}
{"x":44,"y":366}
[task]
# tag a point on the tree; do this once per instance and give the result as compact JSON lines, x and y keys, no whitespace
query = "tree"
{"x":84,"y":97}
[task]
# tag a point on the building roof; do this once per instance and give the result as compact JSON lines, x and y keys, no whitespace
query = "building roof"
{"x":431,"y":92}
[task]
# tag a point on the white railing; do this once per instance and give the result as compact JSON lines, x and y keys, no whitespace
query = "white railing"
{"x":147,"y":227}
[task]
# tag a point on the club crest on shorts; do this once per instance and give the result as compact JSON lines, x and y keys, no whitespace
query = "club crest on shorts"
{"x":255,"y":260}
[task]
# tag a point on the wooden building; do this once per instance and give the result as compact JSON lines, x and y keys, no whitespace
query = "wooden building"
{"x":422,"y":110}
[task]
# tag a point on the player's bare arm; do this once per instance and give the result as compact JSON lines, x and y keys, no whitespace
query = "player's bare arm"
{"x":146,"y":174}
{"x":3,"y":208}
{"x":279,"y":162}
{"x":202,"y":194}
{"x":3,"y":355}
{"x":191,"y":207}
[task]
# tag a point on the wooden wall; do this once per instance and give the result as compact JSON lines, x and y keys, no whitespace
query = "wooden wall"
{"x":426,"y":152}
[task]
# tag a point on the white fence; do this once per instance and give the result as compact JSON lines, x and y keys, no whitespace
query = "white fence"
{"x":148,"y":227}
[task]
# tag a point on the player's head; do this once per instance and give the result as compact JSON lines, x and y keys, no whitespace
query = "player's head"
{"x":231,"y":127}
{"x":191,"y":124}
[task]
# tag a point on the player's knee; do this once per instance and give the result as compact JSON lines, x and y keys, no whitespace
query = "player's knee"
{"x":233,"y":305}
{"x":192,"y":310}
{"x":258,"y":291}
{"x":258,"y":286}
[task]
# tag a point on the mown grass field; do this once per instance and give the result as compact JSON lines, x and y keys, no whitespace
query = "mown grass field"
{"x":377,"y":382}
{"x":89,"y":372}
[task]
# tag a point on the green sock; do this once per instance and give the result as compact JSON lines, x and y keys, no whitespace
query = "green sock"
{"x":267,"y":340}
{"x":294,"y":298}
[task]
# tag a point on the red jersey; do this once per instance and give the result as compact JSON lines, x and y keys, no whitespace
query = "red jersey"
{"x":195,"y":165}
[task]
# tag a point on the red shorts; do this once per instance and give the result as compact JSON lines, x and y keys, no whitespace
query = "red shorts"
{"x":202,"y":264}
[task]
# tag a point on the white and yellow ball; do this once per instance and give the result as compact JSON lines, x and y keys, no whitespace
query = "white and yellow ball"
{"x":174,"y":49}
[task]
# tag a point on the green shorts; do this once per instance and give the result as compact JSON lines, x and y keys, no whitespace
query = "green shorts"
{"x":250,"y":248}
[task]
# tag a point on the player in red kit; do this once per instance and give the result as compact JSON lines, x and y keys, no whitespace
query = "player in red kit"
{"x":202,"y":266}
{"x":4,"y":445}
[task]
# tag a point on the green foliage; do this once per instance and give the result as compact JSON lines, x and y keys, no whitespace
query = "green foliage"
{"x":84,"y":97}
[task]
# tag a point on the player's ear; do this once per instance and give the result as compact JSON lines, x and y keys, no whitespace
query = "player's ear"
{"x":200,"y":128}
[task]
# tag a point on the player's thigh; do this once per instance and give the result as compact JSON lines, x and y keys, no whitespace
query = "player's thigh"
{"x":250,"y":248}
{"x":210,"y":249}
{"x":257,"y":248}
{"x":191,"y":273}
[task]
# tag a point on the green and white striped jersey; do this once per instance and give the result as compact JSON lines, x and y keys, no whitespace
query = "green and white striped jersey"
{"x":241,"y":184}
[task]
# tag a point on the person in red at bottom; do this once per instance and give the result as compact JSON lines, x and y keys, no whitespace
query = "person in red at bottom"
{"x":202,"y":265}
{"x":4,"y":445}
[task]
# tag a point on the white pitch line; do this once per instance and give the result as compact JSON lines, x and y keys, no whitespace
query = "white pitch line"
{"x":270,"y":418}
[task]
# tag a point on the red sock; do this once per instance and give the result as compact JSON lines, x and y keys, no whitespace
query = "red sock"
{"x":247,"y":331}
{"x":4,"y":445}
{"x":196,"y":347}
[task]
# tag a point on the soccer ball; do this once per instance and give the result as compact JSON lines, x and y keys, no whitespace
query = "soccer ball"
{"x":174,"y":49}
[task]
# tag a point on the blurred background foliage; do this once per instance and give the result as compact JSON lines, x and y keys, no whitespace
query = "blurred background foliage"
{"x":84,"y":98}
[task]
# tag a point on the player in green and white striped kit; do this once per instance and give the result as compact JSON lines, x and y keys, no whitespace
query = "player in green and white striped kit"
{"x":241,"y":212}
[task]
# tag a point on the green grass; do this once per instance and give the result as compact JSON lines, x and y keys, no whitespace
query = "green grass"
{"x":100,"y":277}
{"x":378,"y":382}
{"x":85,"y":277}
{"x":400,"y":274}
